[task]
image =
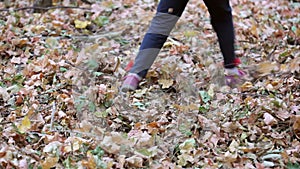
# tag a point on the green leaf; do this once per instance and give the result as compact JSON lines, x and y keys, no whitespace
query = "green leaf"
{"x":203,"y":108}
{"x":285,"y":53}
{"x":2,"y":22}
{"x":92,"y":64}
{"x":18,"y":79}
{"x":139,"y":105}
{"x":204,"y":96}
{"x":145,"y":152}
{"x":244,"y":136}
{"x":122,"y":41}
{"x":187,"y":145}
{"x":92,"y":107}
{"x":63,"y":69}
{"x":291,"y":165}
{"x":52,"y":43}
{"x":98,"y":151}
{"x":101,"y":20}
{"x":2,"y":84}
{"x":98,"y":73}
{"x":185,"y":130}
{"x":68,"y":163}
{"x":294,"y":29}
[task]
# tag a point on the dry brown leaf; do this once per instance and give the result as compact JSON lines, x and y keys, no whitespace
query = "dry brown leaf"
{"x":295,"y":65}
{"x":267,"y":67}
{"x":49,"y":162}
{"x":129,"y":2}
{"x":135,"y":161}
{"x":269,"y":119}
{"x":166,"y":83}
{"x":296,"y":126}
{"x":246,"y":86}
{"x":90,"y":163}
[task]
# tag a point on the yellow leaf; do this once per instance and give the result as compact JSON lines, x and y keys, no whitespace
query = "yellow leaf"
{"x":73,"y":146}
{"x":246,"y":86}
{"x":49,"y":162}
{"x":90,"y":162}
{"x":81,"y":24}
{"x":190,"y":33}
{"x":168,"y":44}
{"x":166,"y":83}
{"x":151,"y":74}
{"x":266,"y":68}
{"x":254,"y":31}
{"x":296,"y":126}
{"x":25,"y":125}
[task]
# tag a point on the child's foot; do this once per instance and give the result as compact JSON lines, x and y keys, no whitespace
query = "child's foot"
{"x":131,"y":82}
{"x":234,"y":77}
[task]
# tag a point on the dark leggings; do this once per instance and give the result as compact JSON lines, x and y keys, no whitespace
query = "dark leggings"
{"x":168,"y":13}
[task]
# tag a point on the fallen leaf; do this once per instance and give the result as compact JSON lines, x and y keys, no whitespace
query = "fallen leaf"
{"x":233,"y":146}
{"x":267,"y":67}
{"x":25,"y":125}
{"x":90,"y":162}
{"x":23,"y":164}
{"x":295,"y":65}
{"x":52,"y":147}
{"x":183,"y":159}
{"x":187,"y":145}
{"x":296,"y":126}
{"x":81,"y":24}
{"x":135,"y":161}
{"x":4,"y":94}
{"x":254,"y":31}
{"x":271,"y":156}
{"x":246,"y":86}
{"x":269,"y":119}
{"x":49,"y":162}
{"x":268,"y":164}
{"x":166,"y":83}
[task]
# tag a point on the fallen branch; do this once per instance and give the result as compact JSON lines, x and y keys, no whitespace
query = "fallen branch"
{"x":52,"y":116}
{"x":247,"y":94}
{"x":82,"y":37}
{"x":43,"y":8}
{"x":72,"y":132}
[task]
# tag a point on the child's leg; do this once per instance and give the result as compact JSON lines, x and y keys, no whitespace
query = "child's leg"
{"x":168,"y":13}
{"x":221,"y":20}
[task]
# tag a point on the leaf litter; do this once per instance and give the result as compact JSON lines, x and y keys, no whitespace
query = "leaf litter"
{"x":181,"y":117}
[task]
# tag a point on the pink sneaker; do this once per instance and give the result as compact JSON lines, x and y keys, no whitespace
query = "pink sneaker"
{"x":131,"y":82}
{"x":234,"y":77}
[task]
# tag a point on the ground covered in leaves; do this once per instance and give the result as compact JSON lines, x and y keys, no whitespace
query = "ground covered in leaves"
{"x":61,"y":70}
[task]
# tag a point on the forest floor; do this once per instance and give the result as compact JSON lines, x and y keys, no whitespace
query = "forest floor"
{"x":61,"y":71}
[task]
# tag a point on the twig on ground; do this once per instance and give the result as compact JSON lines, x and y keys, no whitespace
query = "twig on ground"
{"x":93,"y":136}
{"x":240,"y":93}
{"x":271,"y":53}
{"x":52,"y":116}
{"x":81,"y":37}
{"x":43,"y":8}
